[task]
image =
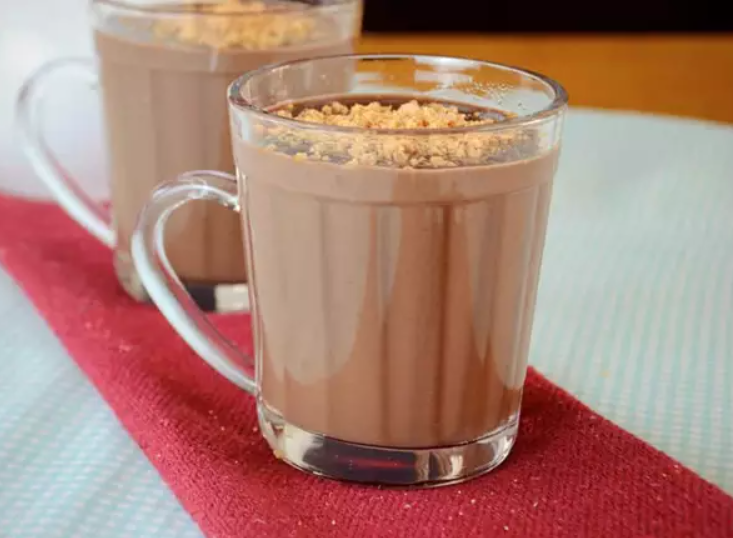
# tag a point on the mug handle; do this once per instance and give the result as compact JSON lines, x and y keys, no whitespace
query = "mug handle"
{"x":78,"y":204}
{"x":164,"y":286}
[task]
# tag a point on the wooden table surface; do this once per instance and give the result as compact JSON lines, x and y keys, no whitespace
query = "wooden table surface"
{"x":688,"y":75}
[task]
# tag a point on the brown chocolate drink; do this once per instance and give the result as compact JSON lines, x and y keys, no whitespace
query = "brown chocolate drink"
{"x":164,"y":81}
{"x":395,"y":275}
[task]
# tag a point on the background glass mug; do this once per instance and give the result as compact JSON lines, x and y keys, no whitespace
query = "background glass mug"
{"x":164,"y":68}
{"x":393,"y":273}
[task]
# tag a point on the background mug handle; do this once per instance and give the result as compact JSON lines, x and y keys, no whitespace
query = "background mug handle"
{"x":92,"y":215}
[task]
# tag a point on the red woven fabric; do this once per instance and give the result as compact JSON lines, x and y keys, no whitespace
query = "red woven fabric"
{"x":572,"y":473}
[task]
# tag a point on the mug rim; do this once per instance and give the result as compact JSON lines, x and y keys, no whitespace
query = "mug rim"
{"x":183,"y":8}
{"x":553,"y":109}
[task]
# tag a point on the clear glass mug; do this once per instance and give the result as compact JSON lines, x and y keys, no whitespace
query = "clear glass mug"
{"x":163,"y":68}
{"x":393,"y":272}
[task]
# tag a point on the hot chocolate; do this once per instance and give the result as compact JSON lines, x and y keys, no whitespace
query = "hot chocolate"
{"x":164,"y":77}
{"x":395,"y":273}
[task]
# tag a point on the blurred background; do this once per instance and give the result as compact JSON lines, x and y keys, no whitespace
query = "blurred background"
{"x":546,"y":16}
{"x":655,"y":56}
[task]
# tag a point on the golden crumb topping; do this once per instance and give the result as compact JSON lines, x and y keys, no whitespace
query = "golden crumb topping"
{"x":411,"y":150}
{"x":243,"y":24}
{"x":375,"y":115}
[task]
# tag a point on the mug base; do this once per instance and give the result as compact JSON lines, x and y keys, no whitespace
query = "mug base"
{"x":377,"y":465}
{"x":209,"y":297}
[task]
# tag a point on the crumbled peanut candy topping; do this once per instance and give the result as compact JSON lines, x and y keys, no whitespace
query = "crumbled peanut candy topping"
{"x":375,"y":115}
{"x":439,"y":150}
{"x":242,"y":24}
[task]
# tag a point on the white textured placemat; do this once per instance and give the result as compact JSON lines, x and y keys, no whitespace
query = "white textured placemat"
{"x":635,"y":316}
{"x":635,"y":310}
{"x":67,"y":468}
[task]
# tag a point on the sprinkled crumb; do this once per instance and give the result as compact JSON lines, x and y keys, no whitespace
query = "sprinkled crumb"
{"x":410,"y":150}
{"x":251,"y":25}
{"x":375,"y":115}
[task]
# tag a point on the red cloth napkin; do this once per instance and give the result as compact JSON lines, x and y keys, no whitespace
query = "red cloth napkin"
{"x":572,"y":473}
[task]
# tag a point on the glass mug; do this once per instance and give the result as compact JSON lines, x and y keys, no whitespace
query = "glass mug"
{"x":393,"y":273}
{"x":163,"y":70}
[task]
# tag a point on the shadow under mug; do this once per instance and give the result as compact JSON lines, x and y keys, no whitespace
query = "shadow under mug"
{"x":391,"y":305}
{"x":165,"y":112}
